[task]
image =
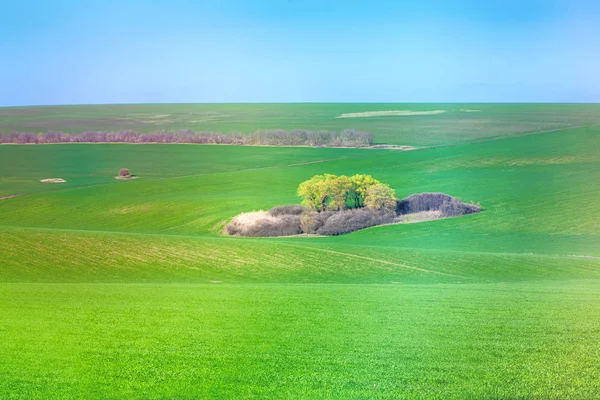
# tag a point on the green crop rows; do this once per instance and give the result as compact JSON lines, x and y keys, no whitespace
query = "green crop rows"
{"x":128,"y":289}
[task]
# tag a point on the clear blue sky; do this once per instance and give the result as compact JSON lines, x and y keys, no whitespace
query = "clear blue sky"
{"x":79,"y":52}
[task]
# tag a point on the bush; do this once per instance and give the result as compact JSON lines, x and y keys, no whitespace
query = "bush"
{"x":380,"y":197}
{"x":352,"y":220}
{"x":448,"y":205}
{"x":124,"y":172}
{"x":284,"y":225}
{"x":261,"y":224}
{"x":313,"y":221}
{"x":294,"y":219}
{"x":455,"y":208}
{"x":292,"y":209}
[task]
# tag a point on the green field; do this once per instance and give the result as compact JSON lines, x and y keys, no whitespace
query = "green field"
{"x":128,"y":289}
{"x":461,"y":123}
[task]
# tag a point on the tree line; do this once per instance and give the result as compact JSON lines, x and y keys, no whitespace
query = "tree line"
{"x":275,"y":137}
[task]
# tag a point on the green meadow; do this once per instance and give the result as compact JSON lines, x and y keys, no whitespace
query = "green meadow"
{"x":129,"y":289}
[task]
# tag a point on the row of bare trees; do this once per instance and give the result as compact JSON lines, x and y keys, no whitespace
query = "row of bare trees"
{"x":277,"y":137}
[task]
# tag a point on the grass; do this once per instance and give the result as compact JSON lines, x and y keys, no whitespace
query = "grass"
{"x":112,"y":289}
{"x":309,"y":341}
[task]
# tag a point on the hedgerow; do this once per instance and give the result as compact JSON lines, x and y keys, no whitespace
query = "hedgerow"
{"x":299,"y":137}
{"x":448,"y":205}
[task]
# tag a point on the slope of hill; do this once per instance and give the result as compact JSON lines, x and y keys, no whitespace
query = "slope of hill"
{"x":129,"y":289}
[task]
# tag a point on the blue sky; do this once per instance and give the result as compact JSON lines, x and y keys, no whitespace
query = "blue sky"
{"x":80,"y":52}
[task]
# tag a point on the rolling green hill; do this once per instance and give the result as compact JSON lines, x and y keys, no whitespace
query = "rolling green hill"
{"x":128,"y":289}
{"x":458,"y":123}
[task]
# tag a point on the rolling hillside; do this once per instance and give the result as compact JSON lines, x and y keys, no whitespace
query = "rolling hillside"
{"x":130,"y":289}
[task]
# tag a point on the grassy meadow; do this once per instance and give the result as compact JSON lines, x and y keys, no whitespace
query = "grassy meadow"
{"x":129,"y":289}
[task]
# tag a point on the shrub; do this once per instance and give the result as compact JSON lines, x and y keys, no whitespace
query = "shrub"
{"x":294,"y":219}
{"x":284,"y":225}
{"x":454,"y":208}
{"x":352,"y":220}
{"x":381,"y":197}
{"x":124,"y":172}
{"x":448,"y":205}
{"x":313,"y":221}
{"x":292,"y":209}
{"x":261,"y":224}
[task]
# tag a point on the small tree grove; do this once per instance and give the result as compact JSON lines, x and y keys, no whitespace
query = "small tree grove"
{"x":334,"y":193}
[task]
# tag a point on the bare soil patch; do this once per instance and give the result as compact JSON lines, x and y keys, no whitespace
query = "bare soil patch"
{"x":53,"y":180}
{"x":10,"y":196}
{"x":393,"y":147}
{"x":391,"y":113}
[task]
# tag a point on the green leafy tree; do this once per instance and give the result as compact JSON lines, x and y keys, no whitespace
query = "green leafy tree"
{"x":360,"y":184}
{"x":331,"y":193}
{"x":381,"y":197}
{"x":311,"y":192}
{"x":321,"y":192}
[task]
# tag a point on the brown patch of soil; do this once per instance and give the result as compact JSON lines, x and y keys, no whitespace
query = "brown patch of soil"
{"x":53,"y":180}
{"x":10,"y":196}
{"x":392,"y":147}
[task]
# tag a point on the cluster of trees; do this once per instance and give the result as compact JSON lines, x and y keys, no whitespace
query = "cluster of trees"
{"x":296,"y":220}
{"x":278,"y":137}
{"x":335,"y":217}
{"x":334,"y":193}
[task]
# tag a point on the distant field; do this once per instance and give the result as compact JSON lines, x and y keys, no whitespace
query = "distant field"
{"x":404,"y":124}
{"x":128,"y":289}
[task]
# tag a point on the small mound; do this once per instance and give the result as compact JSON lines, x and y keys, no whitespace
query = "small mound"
{"x":53,"y":180}
{"x":126,"y":178}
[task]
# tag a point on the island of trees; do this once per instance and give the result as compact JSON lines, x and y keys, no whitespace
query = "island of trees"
{"x":334,"y":205}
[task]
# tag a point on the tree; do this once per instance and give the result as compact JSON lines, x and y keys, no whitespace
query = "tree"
{"x":333,"y":193}
{"x":381,"y":197}
{"x":360,"y":184}
{"x":311,"y":193}
{"x":124,"y":172}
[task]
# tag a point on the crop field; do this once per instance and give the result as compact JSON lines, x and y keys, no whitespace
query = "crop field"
{"x":403,"y":124}
{"x":129,"y":289}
